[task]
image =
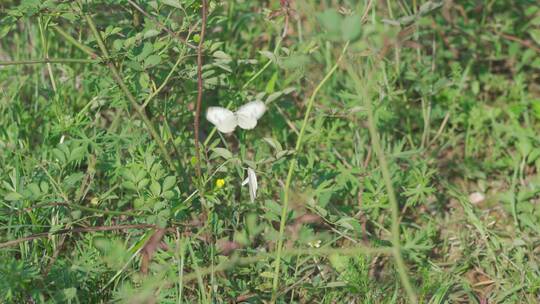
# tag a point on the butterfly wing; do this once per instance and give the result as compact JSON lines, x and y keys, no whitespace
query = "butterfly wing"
{"x":251,"y":181}
{"x":248,"y":114}
{"x":224,"y":120}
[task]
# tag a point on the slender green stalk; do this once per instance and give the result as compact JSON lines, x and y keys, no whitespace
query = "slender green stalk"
{"x":48,"y":60}
{"x":513,"y":185}
{"x":377,"y":147}
{"x":164,"y":83}
{"x":87,"y":50}
{"x":130,"y":97}
{"x":182,"y":248}
{"x":45,"y":46}
{"x":292,"y":166}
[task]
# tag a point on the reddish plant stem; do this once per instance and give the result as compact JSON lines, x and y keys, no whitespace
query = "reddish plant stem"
{"x":200,"y":86}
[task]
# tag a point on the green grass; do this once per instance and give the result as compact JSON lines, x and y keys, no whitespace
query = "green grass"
{"x":398,"y":160}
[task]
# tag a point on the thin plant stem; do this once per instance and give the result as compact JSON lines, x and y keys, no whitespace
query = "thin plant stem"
{"x":47,"y":60}
{"x":377,"y":147}
{"x":138,"y":108}
{"x":199,"y":88}
{"x":46,"y":52}
{"x":265,"y":66}
{"x":292,"y":165}
{"x":74,"y":230}
{"x":85,"y":49}
{"x":164,"y":83}
{"x":180,"y":246}
{"x":513,"y":185}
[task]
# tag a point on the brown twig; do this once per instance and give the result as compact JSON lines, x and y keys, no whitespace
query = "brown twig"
{"x":200,"y":86}
{"x":525,"y":43}
{"x":161,"y":25}
{"x":150,"y":248}
{"x":74,"y":230}
{"x":366,"y":11}
{"x":54,"y":257}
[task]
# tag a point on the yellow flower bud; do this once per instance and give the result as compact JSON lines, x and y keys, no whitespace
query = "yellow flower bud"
{"x":220,"y":182}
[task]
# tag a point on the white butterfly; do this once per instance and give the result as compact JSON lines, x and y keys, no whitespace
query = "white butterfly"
{"x":251,"y":181}
{"x":246,"y":117}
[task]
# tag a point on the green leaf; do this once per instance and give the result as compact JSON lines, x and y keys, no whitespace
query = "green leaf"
{"x":168,"y":195}
{"x":44,"y":187}
{"x":169,"y":182}
{"x":144,"y":80}
{"x":152,"y":61}
{"x":350,"y":223}
{"x":150,"y":33}
{"x":155,"y":188}
{"x":331,"y":21}
{"x":129,"y":185}
{"x":269,"y":55}
{"x":351,"y":28}
{"x":173,"y":3}
{"x":339,"y":262}
{"x":76,"y":214}
{"x":13,"y":196}
{"x":70,"y":293}
{"x":148,"y":48}
{"x":536,"y":108}
{"x":535,"y":34}
{"x":273,"y":143}
{"x":270,"y":86}
{"x":59,"y":155}
{"x":34,"y":189}
{"x":163,"y":217}
{"x":77,"y":154}
{"x":73,"y":179}
{"x":142,"y":183}
{"x":222,"y":55}
{"x":226,"y":154}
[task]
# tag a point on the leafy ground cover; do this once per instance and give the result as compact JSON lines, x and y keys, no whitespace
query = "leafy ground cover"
{"x":397,"y":161}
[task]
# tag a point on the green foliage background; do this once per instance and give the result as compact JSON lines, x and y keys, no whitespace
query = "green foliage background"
{"x":456,"y":103}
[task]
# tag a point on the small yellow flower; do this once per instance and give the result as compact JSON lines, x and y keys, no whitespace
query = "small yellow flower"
{"x":220,"y":182}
